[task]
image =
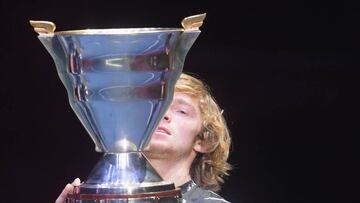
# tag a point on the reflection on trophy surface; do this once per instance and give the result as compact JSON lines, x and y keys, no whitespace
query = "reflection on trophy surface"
{"x":120,"y":83}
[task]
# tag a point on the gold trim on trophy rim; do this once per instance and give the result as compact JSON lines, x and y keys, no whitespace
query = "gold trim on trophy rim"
{"x":117,"y":31}
{"x":191,"y":23}
{"x":47,"y":27}
{"x":194,"y":22}
{"x":43,"y":27}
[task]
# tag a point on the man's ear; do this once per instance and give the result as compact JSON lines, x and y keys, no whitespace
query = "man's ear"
{"x":199,"y":146}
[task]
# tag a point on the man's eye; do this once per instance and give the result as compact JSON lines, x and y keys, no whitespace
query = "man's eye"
{"x":182,"y":112}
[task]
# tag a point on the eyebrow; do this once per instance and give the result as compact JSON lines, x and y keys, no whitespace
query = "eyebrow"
{"x":181,"y":101}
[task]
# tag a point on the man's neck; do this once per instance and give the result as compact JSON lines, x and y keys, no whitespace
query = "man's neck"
{"x":175,"y":170}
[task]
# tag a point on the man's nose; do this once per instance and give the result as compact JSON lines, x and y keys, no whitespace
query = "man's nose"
{"x":167,"y":117}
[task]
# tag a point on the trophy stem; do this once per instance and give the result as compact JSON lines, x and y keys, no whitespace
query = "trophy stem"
{"x":120,"y":169}
{"x":124,"y":176}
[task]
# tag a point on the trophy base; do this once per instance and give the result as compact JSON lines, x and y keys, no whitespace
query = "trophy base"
{"x":124,"y":178}
{"x":161,"y":192}
{"x":173,"y":196}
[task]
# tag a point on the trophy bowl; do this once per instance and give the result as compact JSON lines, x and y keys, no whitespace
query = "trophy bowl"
{"x":120,"y":82}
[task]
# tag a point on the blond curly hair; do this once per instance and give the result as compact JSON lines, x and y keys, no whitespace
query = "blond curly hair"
{"x":209,"y":168}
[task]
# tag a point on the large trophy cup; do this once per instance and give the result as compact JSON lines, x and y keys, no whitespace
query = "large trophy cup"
{"x":120,"y":82}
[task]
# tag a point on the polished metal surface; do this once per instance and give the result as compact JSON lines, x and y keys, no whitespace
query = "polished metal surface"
{"x":125,"y":177}
{"x":120,"y":83}
{"x":115,"y":172}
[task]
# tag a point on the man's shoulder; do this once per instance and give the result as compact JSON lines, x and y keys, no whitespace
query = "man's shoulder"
{"x":200,"y":195}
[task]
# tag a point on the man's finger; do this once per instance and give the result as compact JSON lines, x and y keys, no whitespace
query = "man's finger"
{"x":76,"y":182}
{"x":62,"y":196}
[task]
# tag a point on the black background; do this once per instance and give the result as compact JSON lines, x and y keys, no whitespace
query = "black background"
{"x":285,"y":73}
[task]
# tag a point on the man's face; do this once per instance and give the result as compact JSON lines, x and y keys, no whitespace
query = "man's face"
{"x":176,"y":133}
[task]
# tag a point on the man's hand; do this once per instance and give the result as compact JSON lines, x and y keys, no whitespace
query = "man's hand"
{"x":68,"y":189}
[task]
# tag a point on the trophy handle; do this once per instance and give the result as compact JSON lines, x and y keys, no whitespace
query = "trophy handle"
{"x":43,"y":27}
{"x":193,"y":22}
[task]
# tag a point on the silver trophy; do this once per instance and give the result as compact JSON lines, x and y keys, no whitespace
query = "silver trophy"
{"x":120,"y":82}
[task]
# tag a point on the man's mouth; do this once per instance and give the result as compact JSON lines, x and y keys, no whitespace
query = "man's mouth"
{"x":163,"y":130}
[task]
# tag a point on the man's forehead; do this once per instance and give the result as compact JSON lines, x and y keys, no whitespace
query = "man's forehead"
{"x":186,"y":99}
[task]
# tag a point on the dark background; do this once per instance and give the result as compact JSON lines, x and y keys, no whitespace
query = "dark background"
{"x":285,"y":73}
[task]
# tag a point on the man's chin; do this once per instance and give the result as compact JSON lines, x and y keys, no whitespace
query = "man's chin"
{"x":158,"y":147}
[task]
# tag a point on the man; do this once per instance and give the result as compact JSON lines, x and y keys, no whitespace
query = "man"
{"x":191,"y":144}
